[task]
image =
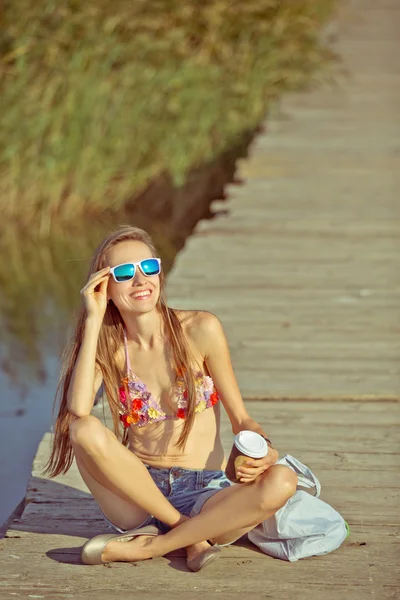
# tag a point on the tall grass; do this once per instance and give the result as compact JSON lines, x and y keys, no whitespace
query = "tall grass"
{"x":99,"y":97}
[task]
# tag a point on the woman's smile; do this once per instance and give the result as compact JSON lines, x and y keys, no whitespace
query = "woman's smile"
{"x":142,"y":295}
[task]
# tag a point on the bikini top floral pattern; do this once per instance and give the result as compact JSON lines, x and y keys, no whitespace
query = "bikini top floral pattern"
{"x":139,"y":407}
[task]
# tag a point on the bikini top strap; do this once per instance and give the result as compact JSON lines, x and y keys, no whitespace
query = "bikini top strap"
{"x":127,"y":359}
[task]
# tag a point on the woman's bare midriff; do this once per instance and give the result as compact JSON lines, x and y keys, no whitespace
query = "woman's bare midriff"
{"x":154,"y":444}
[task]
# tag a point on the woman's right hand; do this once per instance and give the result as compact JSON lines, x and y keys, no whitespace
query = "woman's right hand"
{"x":94,"y":294}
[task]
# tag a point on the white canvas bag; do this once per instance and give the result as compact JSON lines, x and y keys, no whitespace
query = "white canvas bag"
{"x":305,"y":525}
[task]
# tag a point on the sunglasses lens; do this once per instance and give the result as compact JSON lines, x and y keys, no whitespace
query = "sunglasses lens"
{"x":124,"y":272}
{"x":150,"y":266}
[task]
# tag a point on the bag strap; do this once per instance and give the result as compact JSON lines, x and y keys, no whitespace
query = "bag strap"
{"x":306,"y":477}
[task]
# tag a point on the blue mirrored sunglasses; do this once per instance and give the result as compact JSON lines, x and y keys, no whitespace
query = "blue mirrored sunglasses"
{"x":126,"y":271}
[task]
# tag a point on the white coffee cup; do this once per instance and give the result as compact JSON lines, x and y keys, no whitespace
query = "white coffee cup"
{"x":246,"y":444}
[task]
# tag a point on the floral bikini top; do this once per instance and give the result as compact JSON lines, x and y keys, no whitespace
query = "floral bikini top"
{"x":138,"y":407}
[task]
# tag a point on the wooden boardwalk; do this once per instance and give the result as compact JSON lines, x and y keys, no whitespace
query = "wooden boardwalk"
{"x":349,"y":445}
{"x":303,"y":263}
{"x":302,"y":267}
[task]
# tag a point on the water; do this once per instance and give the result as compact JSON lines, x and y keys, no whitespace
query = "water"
{"x":25,"y":415}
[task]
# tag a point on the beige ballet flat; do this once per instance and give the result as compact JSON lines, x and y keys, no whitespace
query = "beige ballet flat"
{"x":204,"y":559}
{"x":93,"y":548}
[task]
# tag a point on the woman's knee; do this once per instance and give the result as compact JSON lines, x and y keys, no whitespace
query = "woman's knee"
{"x":88,"y":431}
{"x":277,"y":484}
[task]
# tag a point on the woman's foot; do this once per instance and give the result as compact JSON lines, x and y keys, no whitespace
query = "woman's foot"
{"x":195,"y":549}
{"x":128,"y":551}
{"x":203,"y":555}
{"x":142,"y":548}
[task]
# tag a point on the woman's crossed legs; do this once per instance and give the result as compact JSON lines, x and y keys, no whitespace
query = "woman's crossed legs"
{"x":103,"y":462}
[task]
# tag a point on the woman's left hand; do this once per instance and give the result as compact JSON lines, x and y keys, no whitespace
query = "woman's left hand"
{"x":253,"y":467}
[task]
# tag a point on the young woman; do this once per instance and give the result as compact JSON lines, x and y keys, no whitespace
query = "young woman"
{"x":159,"y":476}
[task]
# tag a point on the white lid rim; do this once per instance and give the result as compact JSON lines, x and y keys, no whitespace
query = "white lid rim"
{"x":252,"y":454}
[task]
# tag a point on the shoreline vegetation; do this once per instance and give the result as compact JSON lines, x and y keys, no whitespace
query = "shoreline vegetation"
{"x":99,"y":100}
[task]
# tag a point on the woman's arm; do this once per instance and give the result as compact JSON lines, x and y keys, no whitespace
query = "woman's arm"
{"x":85,"y":380}
{"x":210,"y":338}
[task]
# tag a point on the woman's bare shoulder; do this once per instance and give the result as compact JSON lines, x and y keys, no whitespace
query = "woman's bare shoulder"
{"x":195,"y":318}
{"x":197,"y":324}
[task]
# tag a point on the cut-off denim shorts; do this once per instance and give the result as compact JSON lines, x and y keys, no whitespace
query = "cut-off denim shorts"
{"x":186,"y":489}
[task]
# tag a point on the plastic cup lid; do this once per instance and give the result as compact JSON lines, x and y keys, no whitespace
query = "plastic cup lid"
{"x":251,"y":443}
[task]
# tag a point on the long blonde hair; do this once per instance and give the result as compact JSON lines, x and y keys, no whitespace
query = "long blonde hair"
{"x":110,"y":339}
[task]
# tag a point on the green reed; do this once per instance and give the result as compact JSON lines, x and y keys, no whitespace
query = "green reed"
{"x":99,"y":97}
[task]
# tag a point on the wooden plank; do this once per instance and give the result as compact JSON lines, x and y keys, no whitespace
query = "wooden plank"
{"x":342,"y":414}
{"x":292,"y":440}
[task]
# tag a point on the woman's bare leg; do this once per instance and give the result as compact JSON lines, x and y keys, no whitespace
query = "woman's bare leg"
{"x":242,"y":508}
{"x":118,"y":469}
{"x":229,"y":536}
{"x":105,"y":460}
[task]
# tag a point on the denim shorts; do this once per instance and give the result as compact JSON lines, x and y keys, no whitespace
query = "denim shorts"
{"x":186,"y":489}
